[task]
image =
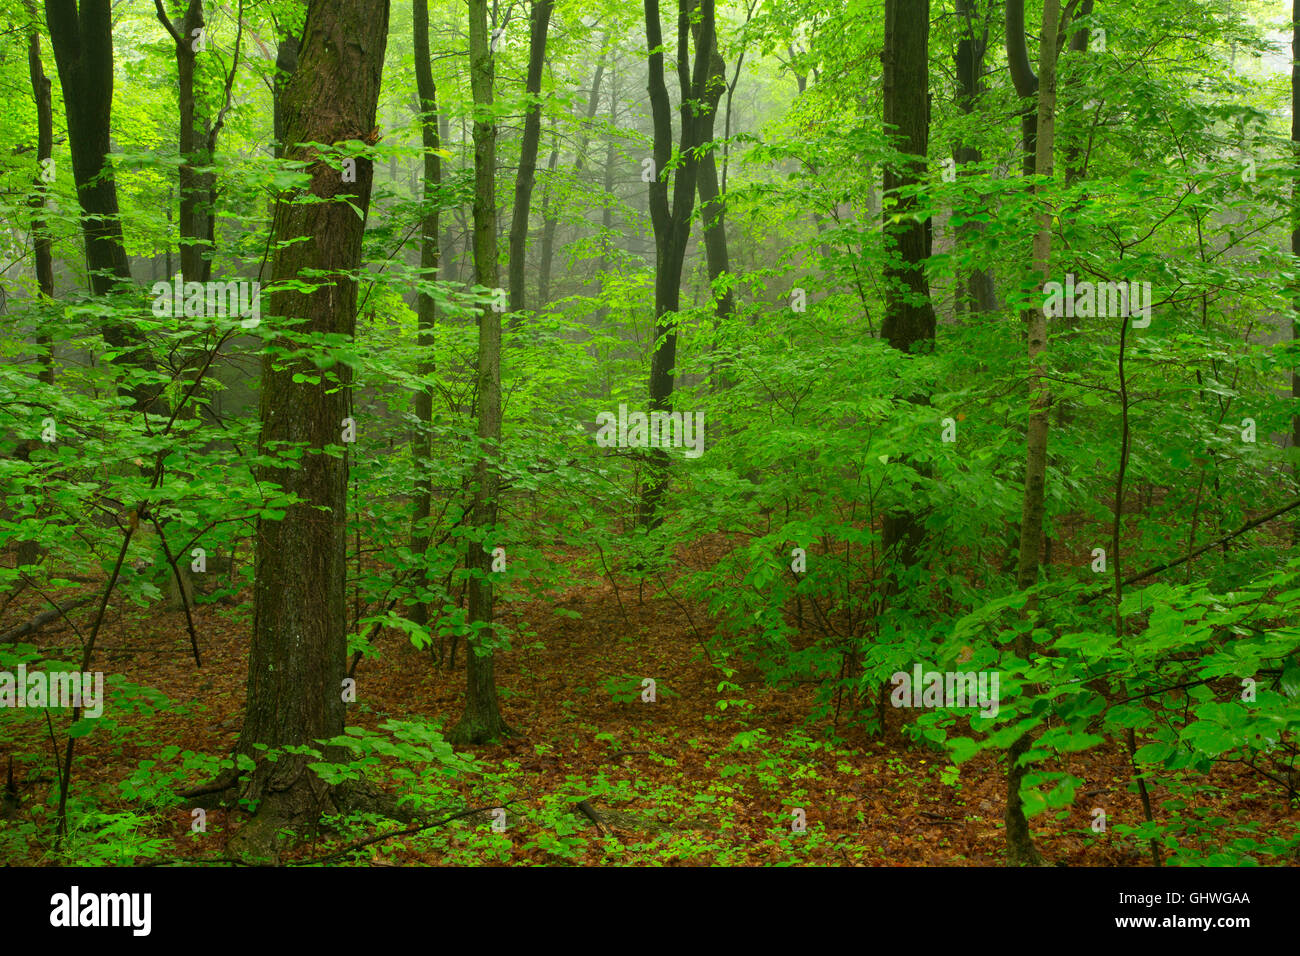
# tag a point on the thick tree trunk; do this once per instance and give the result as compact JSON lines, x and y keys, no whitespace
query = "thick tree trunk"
{"x":83,"y":49}
{"x":481,"y":720}
{"x":297,"y":656}
{"x":672,"y":223}
{"x":909,"y":323}
{"x":527,"y":159}
{"x":425,"y":311}
{"x":1020,"y":844}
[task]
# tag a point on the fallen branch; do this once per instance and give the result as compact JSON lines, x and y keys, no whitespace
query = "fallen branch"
{"x":395,"y":833}
{"x":40,"y":620}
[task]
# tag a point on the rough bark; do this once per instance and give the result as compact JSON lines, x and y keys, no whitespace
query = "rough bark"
{"x":286,"y":63}
{"x":481,"y":720}
{"x":1020,"y":844}
{"x":297,"y":657}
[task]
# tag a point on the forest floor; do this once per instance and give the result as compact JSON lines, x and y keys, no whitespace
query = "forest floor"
{"x":673,"y":782}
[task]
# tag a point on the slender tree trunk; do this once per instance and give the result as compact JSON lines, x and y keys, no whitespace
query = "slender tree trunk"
{"x":297,"y":658}
{"x":607,"y":208}
{"x":29,"y":551}
{"x":672,"y":223}
{"x":551,"y":222}
{"x":425,"y":310}
{"x":527,"y":158}
{"x":44,"y":151}
{"x":195,"y":187}
{"x":1295,"y":226}
{"x":1020,"y":842}
{"x":713,"y":207}
{"x":482,"y":720}
{"x":909,"y":323}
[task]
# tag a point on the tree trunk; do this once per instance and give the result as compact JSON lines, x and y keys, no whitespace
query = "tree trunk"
{"x":527,"y":158}
{"x":286,"y":63}
{"x":83,"y":49}
{"x":44,"y":151}
{"x":425,"y":311}
{"x":297,"y":656}
{"x":1020,"y":843}
{"x":29,"y":551}
{"x":713,"y":208}
{"x":1022,"y":75}
{"x":481,"y":720}
{"x":909,"y":323}
{"x":672,"y":223}
{"x":1295,"y":227}
{"x":607,"y":207}
{"x":979,"y":294}
{"x":195,"y":187}
{"x":551,"y":222}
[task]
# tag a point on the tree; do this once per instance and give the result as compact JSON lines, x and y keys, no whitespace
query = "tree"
{"x":713,"y":205}
{"x":82,"y":38}
{"x":1295,"y":223}
{"x":1020,"y":843}
{"x":909,"y":323}
{"x":297,"y":657}
{"x":528,"y":156}
{"x":672,"y":221}
{"x":425,"y":311}
{"x":979,"y":293}
{"x":481,"y":720}
{"x":550,"y":220}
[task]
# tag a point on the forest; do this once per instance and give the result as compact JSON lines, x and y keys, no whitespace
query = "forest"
{"x":711,"y":433}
